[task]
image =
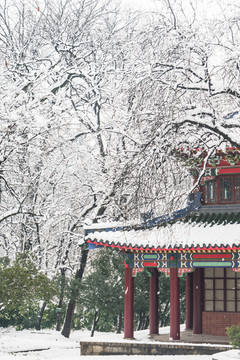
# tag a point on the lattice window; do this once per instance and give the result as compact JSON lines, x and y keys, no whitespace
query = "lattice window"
{"x":237,"y":188}
{"x":222,"y":290}
{"x":226,"y":189}
{"x":210,"y":192}
{"x":222,"y":190}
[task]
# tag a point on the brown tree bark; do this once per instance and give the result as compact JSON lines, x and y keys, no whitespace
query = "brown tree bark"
{"x":60,"y":303}
{"x":119,"y":323}
{"x":40,"y":315}
{"x":95,"y":321}
{"x":72,"y":303}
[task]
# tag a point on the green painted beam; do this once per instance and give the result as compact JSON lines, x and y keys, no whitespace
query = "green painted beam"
{"x":212,"y":264}
{"x":150,"y":257}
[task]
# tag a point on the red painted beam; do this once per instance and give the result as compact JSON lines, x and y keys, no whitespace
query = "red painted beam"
{"x":212,"y":256}
{"x":150,"y":264}
{"x":230,"y":170}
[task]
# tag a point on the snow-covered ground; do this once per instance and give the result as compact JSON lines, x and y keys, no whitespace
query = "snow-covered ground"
{"x":51,"y":345}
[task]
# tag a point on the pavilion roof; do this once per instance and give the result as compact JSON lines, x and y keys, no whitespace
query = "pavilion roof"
{"x":195,"y":228}
{"x":179,"y":236}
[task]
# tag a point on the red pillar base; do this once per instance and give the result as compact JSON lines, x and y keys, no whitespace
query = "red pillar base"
{"x":128,"y":304}
{"x":174,"y":305}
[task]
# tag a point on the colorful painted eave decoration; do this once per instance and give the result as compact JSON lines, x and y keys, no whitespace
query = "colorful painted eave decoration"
{"x":212,"y":173}
{"x":230,"y":157}
{"x":185,"y":261}
{"x":224,"y":160}
{"x":93,"y":244}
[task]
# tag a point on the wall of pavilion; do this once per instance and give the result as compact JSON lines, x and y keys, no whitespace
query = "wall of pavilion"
{"x":201,"y":241}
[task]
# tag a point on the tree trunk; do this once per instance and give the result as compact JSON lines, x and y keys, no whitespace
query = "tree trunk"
{"x":164,"y":315}
{"x":59,"y":313}
{"x":69,"y":318}
{"x":140,"y":321}
{"x":72,"y":303}
{"x":119,"y":323}
{"x":60,"y":303}
{"x":146,"y":322}
{"x":40,"y":315}
{"x":95,"y":321}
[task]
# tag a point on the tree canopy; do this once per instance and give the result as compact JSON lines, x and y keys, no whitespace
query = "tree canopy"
{"x":22,"y":288}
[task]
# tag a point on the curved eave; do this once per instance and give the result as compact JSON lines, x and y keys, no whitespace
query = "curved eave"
{"x":192,"y":248}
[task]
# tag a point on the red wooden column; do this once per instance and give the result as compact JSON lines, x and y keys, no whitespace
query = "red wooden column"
{"x":174,"y":305}
{"x":128,"y":304}
{"x":189,"y":301}
{"x":153,"y":304}
{"x":197,"y":300}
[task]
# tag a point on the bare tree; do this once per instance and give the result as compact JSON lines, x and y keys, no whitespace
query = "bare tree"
{"x":184,"y":94}
{"x":63,"y":73}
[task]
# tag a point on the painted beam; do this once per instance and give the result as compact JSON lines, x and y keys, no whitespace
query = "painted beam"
{"x":197,"y":264}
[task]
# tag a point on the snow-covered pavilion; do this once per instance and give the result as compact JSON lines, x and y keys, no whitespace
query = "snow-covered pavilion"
{"x":201,"y":240}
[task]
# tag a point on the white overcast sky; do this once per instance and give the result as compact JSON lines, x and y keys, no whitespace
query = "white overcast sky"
{"x":205,"y":8}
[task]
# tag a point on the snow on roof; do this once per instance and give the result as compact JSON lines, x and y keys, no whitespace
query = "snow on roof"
{"x":178,"y":235}
{"x":194,"y":227}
